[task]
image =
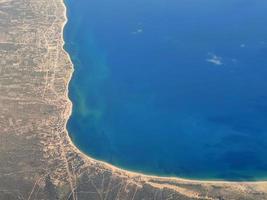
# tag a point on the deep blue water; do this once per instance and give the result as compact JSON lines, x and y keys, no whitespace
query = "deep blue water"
{"x":171,"y":87}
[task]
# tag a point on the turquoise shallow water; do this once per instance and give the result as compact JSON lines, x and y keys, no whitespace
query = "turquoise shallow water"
{"x":173,"y":88}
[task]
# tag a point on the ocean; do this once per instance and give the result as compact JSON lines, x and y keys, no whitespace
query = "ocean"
{"x":171,"y":88}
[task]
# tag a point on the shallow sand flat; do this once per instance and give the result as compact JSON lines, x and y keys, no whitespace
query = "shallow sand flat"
{"x":37,"y":158}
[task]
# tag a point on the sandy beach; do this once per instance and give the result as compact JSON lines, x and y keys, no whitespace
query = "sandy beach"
{"x":38,"y":159}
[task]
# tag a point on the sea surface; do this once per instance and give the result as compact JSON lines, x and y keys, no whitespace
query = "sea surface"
{"x":171,"y":87}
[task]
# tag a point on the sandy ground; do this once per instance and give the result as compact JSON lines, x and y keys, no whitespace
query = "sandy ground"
{"x":37,"y":158}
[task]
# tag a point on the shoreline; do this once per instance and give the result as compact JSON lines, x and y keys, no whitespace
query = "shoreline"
{"x":126,"y":172}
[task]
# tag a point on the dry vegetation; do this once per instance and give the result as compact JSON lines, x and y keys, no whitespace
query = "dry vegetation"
{"x":37,"y":159}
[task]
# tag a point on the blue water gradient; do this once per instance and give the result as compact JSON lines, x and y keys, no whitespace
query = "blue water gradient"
{"x":171,"y":87}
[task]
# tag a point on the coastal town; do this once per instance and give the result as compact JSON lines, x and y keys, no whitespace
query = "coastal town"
{"x":37,"y":157}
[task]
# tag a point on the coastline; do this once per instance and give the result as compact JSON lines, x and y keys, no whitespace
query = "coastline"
{"x":38,"y":158}
{"x":115,"y":168}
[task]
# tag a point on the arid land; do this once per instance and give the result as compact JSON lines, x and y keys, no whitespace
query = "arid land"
{"x":37,"y":159}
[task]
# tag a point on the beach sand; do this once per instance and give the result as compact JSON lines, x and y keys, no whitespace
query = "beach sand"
{"x":38,"y":159}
